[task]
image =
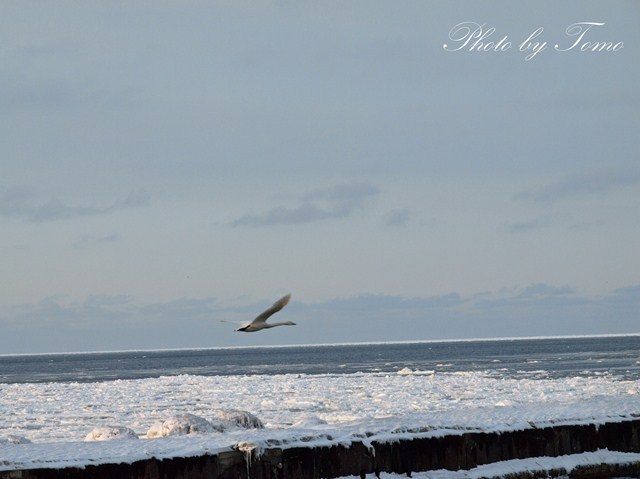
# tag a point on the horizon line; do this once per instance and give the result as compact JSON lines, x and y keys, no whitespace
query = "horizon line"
{"x":305,"y":345}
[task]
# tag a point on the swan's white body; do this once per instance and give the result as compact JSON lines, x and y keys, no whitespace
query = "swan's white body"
{"x":260,"y":322}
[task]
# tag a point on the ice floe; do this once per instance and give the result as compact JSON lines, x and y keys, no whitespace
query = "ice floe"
{"x":70,"y":423}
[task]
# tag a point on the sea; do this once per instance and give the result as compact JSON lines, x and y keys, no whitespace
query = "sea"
{"x":549,"y":358}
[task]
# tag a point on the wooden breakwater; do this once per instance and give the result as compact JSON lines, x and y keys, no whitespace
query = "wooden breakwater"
{"x":403,"y":455}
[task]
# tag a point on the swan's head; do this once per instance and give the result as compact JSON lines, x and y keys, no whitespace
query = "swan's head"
{"x":289,"y":323}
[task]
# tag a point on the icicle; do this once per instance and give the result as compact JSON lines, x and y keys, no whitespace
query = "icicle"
{"x":251,"y":451}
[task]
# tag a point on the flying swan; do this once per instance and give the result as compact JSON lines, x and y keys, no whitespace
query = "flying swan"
{"x":260,"y":322}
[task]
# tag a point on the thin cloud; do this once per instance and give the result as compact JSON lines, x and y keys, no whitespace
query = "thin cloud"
{"x":57,"y":311}
{"x":280,"y":215}
{"x":89,"y":240}
{"x":355,"y":192}
{"x":522,"y":226}
{"x":23,"y":203}
{"x":582,"y":185}
{"x":193,"y":308}
{"x":587,"y":225}
{"x":398,"y":217}
{"x":384,"y":302}
{"x":56,"y":94}
{"x":540,"y":290}
{"x":318,"y":205}
{"x":629,"y":296}
{"x":532,"y":297}
{"x":110,"y":308}
{"x":51,"y":94}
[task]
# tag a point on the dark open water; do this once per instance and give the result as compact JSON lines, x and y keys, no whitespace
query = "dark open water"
{"x":543,"y":358}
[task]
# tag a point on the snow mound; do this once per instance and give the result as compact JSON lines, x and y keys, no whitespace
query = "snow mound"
{"x":110,"y":433}
{"x":239,"y":419}
{"x":181,"y":425}
{"x":14,"y":440}
{"x":310,"y":420}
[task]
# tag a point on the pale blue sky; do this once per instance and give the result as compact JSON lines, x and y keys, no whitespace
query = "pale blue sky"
{"x":166,"y":165}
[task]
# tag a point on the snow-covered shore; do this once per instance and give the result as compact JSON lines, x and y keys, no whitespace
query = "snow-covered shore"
{"x":295,"y":409}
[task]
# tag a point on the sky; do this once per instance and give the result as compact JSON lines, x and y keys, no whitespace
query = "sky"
{"x":418,"y":170}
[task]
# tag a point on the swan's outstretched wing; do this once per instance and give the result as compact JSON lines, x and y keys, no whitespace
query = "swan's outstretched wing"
{"x":277,"y":306}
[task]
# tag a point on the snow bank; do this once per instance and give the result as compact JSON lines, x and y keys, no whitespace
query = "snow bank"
{"x":519,"y":466}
